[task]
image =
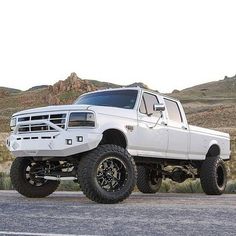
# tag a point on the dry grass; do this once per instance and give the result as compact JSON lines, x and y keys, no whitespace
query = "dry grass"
{"x":5,"y":155}
{"x":5,"y":182}
{"x":211,"y":105}
{"x":168,"y":186}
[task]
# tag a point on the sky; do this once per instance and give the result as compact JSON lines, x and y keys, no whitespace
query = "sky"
{"x":165,"y":44}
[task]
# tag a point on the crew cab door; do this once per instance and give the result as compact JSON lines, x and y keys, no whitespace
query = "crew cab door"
{"x":152,"y":131}
{"x":177,"y":129}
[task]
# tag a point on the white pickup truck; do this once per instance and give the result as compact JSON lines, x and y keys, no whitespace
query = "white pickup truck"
{"x":110,"y":140}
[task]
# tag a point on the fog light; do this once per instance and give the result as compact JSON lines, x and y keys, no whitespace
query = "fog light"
{"x":69,"y":141}
{"x":80,"y":139}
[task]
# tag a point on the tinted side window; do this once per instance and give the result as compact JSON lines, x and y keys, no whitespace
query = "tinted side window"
{"x":150,"y":100}
{"x":173,"y":111}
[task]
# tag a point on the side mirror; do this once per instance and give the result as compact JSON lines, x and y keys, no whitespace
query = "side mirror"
{"x":159,"y":107}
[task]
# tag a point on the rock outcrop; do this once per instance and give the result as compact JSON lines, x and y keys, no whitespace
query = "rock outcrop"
{"x":138,"y":84}
{"x":4,"y":93}
{"x":67,"y":90}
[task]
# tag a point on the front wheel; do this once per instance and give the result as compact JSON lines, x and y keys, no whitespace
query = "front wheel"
{"x":24,"y":179}
{"x":107,"y":174}
{"x":213,"y":176}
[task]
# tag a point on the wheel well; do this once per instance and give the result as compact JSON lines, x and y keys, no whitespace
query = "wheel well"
{"x":114,"y":136}
{"x":213,"y":151}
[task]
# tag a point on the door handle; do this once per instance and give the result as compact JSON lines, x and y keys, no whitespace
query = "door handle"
{"x":141,"y":117}
{"x":163,"y":123}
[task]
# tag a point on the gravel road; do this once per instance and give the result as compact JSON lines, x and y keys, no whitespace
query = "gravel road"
{"x":70,"y":213}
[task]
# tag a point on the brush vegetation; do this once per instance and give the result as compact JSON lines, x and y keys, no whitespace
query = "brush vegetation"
{"x":168,"y":186}
{"x":209,"y":105}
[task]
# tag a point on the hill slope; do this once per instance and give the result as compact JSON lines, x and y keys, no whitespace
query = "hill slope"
{"x":211,"y":105}
{"x":225,"y":88}
{"x":9,"y":90}
{"x":62,"y":92}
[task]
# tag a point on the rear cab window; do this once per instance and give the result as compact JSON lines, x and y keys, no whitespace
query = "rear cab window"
{"x":173,"y":110}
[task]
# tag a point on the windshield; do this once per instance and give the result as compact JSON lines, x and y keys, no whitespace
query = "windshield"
{"x":116,"y":98}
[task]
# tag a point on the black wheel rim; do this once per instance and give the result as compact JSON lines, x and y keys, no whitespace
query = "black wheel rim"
{"x":153,"y":176}
{"x":220,"y":176}
{"x":111,"y":174}
{"x":32,"y":171}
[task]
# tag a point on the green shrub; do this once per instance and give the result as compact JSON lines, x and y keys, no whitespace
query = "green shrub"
{"x":5,"y":182}
{"x":165,"y":186}
{"x":68,"y":186}
{"x":191,"y":186}
{"x":168,"y":186}
{"x":5,"y":155}
{"x":231,"y":187}
{"x":68,"y":95}
{"x":188,"y":186}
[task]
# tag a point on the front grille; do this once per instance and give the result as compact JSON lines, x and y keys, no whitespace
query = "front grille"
{"x":57,"y":119}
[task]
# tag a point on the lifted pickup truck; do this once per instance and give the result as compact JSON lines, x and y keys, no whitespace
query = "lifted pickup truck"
{"x":111,"y":140}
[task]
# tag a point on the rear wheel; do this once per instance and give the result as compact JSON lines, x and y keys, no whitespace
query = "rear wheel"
{"x":24,"y":179}
{"x":213,"y":176}
{"x":149,"y":180}
{"x":107,"y":174}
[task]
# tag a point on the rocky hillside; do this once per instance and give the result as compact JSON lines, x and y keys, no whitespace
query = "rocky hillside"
{"x":62,"y":92}
{"x":225,"y":88}
{"x":210,"y":105}
{"x":68,"y":90}
{"x":7,"y":91}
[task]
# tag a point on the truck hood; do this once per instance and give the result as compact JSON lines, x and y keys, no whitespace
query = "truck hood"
{"x":59,"y":108}
{"x":115,"y":111}
{"x":112,"y":111}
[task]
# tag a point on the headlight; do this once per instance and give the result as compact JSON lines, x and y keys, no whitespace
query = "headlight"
{"x":82,"y":119}
{"x":13,"y":122}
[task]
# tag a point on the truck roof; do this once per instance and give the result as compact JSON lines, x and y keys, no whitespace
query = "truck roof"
{"x":132,"y":88}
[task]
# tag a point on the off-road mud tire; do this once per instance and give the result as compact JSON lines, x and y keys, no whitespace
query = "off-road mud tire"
{"x":145,"y":181}
{"x":87,"y":173}
{"x":213,"y":176}
{"x":21,"y":185}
